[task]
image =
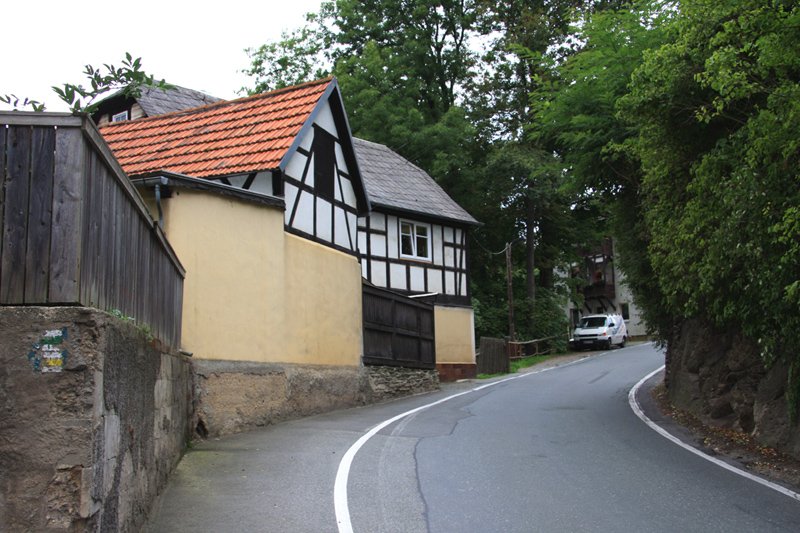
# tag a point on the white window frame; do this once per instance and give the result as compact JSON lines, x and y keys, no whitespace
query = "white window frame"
{"x":120,"y":117}
{"x":415,"y":236}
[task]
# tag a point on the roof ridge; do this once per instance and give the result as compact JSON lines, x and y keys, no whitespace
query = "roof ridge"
{"x":220,"y":103}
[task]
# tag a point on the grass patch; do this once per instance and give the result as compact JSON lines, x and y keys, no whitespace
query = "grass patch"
{"x":525,"y":362}
{"x":517,"y":364}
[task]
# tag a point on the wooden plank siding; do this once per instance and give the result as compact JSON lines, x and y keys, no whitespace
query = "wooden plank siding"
{"x":73,"y":230}
{"x":398,"y":331}
{"x":493,"y":356}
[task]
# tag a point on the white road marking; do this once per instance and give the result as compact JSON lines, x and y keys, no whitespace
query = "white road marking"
{"x":340,"y":504}
{"x":664,"y":433}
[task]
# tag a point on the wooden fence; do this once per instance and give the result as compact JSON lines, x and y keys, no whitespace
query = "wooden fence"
{"x":492,"y":356}
{"x":74,"y":231}
{"x":398,"y":330}
{"x":495,"y":355}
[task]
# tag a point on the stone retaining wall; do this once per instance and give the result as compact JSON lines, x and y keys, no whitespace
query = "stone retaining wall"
{"x":234,"y":396}
{"x":719,"y":377}
{"x":94,"y":418}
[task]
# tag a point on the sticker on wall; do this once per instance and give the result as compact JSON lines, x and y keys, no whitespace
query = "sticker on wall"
{"x":49,"y":354}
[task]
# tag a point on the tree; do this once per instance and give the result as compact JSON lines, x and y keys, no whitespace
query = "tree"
{"x":524,"y":38}
{"x":717,"y":117}
{"x":300,"y":55}
{"x":407,"y":71}
{"x":686,"y":120}
{"x":576,"y":117}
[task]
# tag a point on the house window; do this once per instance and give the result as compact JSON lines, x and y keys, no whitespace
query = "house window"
{"x":323,"y":147}
{"x":626,"y":314}
{"x":415,"y":240}
{"x":119,"y":117}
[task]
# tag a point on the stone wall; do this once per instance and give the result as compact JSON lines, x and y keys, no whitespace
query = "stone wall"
{"x":236,"y":396}
{"x":719,"y":377}
{"x":94,"y":418}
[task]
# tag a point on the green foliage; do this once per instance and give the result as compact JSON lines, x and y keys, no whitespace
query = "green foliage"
{"x":122,"y":316}
{"x":298,"y":56}
{"x":21,"y":103}
{"x":686,"y":120}
{"x":527,"y":362}
{"x":549,"y":318}
{"x":721,"y":192}
{"x":144,"y":329}
{"x":129,"y":78}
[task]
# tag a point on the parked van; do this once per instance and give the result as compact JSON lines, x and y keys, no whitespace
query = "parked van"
{"x":599,"y":331}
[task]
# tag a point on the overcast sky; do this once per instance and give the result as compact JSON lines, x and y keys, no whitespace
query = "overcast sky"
{"x":199,"y":45}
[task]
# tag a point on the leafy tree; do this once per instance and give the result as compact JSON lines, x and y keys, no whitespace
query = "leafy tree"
{"x":576,"y":117}
{"x":412,"y":79}
{"x":686,"y":120}
{"x":300,"y":55}
{"x":522,"y":37}
{"x":718,"y":121}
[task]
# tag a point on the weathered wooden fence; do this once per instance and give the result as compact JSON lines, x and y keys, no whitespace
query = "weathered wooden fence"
{"x":492,"y":356}
{"x":520,"y":349}
{"x":74,"y":231}
{"x":495,"y":355}
{"x":398,"y":330}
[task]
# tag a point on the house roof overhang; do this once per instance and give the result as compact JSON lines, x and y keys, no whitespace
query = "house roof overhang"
{"x":173,"y":180}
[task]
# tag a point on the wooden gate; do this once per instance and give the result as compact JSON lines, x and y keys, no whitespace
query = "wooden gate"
{"x":398,"y":331}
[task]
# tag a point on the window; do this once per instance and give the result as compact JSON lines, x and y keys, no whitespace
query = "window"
{"x":119,"y":117}
{"x":323,"y":147}
{"x":626,"y":313}
{"x":415,"y":240}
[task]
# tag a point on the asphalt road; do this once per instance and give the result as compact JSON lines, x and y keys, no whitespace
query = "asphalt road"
{"x":559,"y":450}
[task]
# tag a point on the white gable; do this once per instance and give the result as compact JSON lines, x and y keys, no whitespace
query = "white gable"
{"x":321,"y":199}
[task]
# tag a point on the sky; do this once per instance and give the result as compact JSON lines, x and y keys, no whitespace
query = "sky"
{"x":199,"y":45}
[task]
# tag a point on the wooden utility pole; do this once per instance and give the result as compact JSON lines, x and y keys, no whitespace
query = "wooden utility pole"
{"x":511,"y":332}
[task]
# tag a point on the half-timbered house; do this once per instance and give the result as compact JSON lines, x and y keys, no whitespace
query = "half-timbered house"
{"x":290,"y":152}
{"x":262,"y":199}
{"x":414,"y":241}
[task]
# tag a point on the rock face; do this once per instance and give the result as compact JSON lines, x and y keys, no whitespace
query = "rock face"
{"x":720,"y":378}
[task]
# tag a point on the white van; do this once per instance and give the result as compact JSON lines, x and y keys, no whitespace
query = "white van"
{"x":599,"y":331}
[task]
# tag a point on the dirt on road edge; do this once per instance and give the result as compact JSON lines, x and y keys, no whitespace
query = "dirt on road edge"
{"x":736,"y":446}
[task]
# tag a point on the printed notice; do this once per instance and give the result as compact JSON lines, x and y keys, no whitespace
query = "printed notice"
{"x":49,"y":354}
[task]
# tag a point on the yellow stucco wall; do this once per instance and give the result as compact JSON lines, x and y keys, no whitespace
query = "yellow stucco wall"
{"x":323,"y":304}
{"x":455,"y":334}
{"x":256,"y":293}
{"x":233,"y":292}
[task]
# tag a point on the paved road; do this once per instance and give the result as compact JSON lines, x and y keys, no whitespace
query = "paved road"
{"x":554,"y":451}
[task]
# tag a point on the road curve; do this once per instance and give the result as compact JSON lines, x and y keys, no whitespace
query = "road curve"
{"x":557,"y":451}
{"x":553,"y":451}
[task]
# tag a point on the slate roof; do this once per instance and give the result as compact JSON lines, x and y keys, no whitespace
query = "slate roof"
{"x":393,"y":182}
{"x":229,"y":137}
{"x":159,"y":101}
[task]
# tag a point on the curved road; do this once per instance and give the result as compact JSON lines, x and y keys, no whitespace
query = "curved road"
{"x":559,"y":450}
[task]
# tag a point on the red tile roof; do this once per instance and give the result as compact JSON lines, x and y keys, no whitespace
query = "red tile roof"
{"x":239,"y":136}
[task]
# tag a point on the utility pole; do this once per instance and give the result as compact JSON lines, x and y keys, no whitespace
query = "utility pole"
{"x":511,"y":332}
